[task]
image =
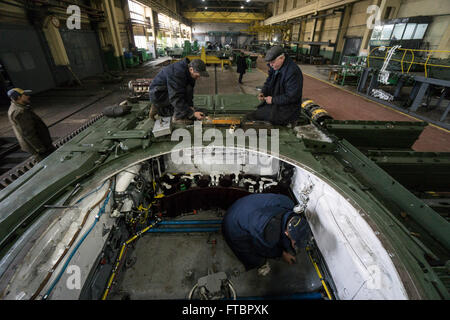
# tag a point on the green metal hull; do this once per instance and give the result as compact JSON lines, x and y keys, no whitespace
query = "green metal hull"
{"x":112,"y":144}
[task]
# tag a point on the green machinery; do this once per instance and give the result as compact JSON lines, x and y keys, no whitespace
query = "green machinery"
{"x":377,"y":237}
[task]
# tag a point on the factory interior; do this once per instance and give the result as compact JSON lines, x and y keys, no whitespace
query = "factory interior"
{"x":376,"y":79}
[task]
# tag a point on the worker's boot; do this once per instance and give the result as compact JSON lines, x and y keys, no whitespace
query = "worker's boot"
{"x":153,"y":112}
{"x":264,"y":269}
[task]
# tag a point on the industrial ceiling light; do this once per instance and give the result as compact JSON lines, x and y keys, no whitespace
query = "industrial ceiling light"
{"x":242,"y":7}
{"x":206,"y":8}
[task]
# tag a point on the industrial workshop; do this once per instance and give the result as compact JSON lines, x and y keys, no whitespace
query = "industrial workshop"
{"x":226,"y":150}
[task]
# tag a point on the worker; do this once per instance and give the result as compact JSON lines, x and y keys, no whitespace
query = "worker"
{"x":172,"y":91}
{"x":281,"y":95}
{"x":262,"y":226}
{"x":241,"y":65}
{"x":31,"y":132}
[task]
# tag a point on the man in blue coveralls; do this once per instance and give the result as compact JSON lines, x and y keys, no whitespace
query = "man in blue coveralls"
{"x":172,"y":91}
{"x":261,"y":226}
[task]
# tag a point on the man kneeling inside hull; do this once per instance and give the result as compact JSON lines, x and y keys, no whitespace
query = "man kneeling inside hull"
{"x":262,"y":226}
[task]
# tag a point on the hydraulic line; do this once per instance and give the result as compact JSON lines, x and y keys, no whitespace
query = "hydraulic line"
{"x":121,"y":255}
{"x":97,"y":218}
{"x":47,"y":278}
{"x":308,"y":250}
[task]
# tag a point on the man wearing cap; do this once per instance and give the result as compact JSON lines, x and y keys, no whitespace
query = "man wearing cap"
{"x":172,"y":91}
{"x":264,"y":225}
{"x":281,"y":95}
{"x":31,"y":132}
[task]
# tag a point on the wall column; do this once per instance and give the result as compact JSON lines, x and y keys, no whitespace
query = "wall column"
{"x":368,"y":32}
{"x":113,"y":29}
{"x":340,"y":40}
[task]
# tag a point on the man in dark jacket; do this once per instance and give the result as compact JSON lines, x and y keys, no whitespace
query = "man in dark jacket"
{"x":281,"y":95}
{"x":30,"y":130}
{"x":241,"y":66}
{"x":261,"y":226}
{"x":172,"y":90}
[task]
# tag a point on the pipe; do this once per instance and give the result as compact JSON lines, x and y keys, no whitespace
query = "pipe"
{"x":77,"y":246}
{"x":191,"y":222}
{"x":168,"y":230}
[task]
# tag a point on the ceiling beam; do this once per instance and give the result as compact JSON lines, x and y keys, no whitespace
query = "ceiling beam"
{"x":220,"y":16}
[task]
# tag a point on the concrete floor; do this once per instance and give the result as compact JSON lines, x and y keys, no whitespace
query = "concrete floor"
{"x":169,"y":265}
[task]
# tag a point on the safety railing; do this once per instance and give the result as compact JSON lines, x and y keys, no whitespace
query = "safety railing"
{"x":408,"y":63}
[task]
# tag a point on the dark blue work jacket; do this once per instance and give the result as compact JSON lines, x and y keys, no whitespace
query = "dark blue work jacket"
{"x":245,"y":222}
{"x":285,"y":86}
{"x":173,"y":87}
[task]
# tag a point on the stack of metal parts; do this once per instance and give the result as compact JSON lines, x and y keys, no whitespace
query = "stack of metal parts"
{"x":139,"y":86}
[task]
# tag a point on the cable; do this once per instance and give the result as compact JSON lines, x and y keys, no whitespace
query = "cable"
{"x":319,"y":274}
{"x":49,"y":274}
{"x":121,"y":254}
{"x":97,"y":217}
{"x":88,"y":194}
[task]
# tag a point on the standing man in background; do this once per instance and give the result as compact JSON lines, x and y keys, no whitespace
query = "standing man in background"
{"x":31,"y":132}
{"x":241,"y":65}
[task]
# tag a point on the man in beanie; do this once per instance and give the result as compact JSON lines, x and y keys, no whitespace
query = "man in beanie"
{"x":264,"y":225}
{"x":31,"y":132}
{"x":172,"y":91}
{"x":281,"y":95}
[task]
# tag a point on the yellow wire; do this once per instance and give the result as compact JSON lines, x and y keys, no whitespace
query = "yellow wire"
{"x":430,"y":53}
{"x":298,"y":222}
{"x":319,"y":274}
{"x":403,"y":59}
{"x":120,"y":258}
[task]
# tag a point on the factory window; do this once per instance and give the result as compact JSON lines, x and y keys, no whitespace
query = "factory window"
{"x":387,"y":31}
{"x":376,"y":33}
{"x":398,"y":31}
{"x":137,"y":11}
{"x":137,"y":17}
{"x":140,"y":42}
{"x":409,"y":31}
{"x":420,"y":30}
{"x":164,"y":21}
{"x":136,"y":7}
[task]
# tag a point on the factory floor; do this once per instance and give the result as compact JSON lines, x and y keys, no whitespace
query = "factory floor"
{"x":168,"y":265}
{"x":95,"y":94}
